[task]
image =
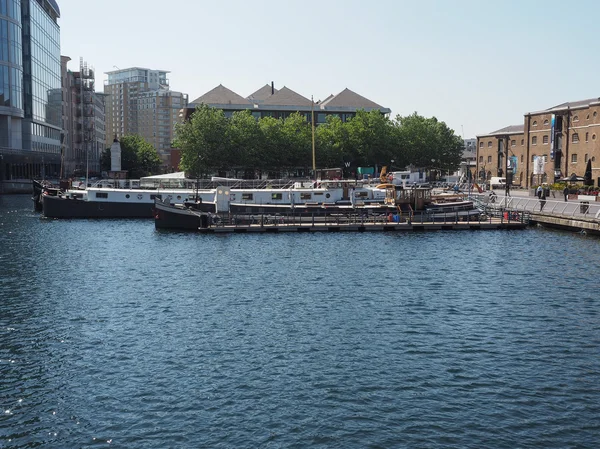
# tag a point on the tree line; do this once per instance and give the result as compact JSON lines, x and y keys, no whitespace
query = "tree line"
{"x":241,"y":145}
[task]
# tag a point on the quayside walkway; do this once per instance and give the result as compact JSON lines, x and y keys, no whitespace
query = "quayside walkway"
{"x":580,"y":215}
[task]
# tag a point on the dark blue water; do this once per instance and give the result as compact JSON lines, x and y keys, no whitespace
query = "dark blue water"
{"x":114,"y":334}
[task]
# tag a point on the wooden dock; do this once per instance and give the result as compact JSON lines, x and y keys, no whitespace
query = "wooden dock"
{"x":489,"y":224}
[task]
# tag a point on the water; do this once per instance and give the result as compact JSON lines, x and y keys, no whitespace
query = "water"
{"x":114,"y":334}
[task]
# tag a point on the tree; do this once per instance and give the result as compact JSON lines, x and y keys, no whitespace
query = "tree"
{"x":332,"y":142}
{"x":203,"y":140}
{"x":429,"y":143}
{"x":245,"y":141}
{"x":271,"y":156}
{"x":138,"y":157}
{"x":371,"y":137}
{"x":296,"y":141}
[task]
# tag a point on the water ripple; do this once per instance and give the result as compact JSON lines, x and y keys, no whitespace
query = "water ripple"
{"x":113,"y":334}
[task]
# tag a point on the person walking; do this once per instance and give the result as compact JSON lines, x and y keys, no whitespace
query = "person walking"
{"x":539,"y":191}
{"x":542,"y":199}
{"x":566,"y":193}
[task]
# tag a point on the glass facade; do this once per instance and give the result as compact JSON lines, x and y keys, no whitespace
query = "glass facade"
{"x":41,"y":80}
{"x":11,"y":55}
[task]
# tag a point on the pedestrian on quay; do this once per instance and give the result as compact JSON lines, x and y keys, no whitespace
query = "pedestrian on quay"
{"x":542,"y":199}
{"x":566,"y":193}
{"x":539,"y":191}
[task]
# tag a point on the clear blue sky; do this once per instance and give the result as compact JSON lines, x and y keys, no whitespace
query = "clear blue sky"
{"x":478,"y":65}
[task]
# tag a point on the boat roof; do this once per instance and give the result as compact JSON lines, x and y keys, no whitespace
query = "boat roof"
{"x":176,"y":175}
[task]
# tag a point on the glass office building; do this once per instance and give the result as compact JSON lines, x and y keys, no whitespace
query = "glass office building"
{"x":11,"y":74}
{"x":30,"y":89}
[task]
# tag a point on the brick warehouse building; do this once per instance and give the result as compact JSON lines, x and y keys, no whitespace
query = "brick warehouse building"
{"x":565,"y":136}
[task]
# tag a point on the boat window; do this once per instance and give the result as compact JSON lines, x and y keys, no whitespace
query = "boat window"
{"x":319,"y":193}
{"x":156,"y":196}
{"x":305,"y":196}
{"x":127,"y":196}
{"x":276,"y":196}
{"x":247,"y":196}
{"x":101,"y":195}
{"x":361,"y":194}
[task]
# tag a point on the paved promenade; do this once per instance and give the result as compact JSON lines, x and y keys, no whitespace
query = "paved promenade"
{"x":521,"y":200}
{"x":576,"y":214}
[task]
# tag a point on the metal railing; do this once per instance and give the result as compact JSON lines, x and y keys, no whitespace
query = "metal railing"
{"x":548,"y":206}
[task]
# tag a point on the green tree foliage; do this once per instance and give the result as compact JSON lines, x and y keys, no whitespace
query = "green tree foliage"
{"x":245,"y":142}
{"x":138,"y":157}
{"x":428,"y":143}
{"x":271,"y":155}
{"x":203,"y":141}
{"x":371,"y":138}
{"x":296,"y":142}
{"x":333,"y":142}
{"x":210,"y":142}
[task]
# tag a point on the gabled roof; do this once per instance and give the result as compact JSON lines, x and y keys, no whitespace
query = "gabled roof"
{"x":262,"y":94}
{"x":287,"y":97}
{"x":326,"y":99}
{"x":512,"y":129}
{"x":580,"y":104}
{"x":349,"y":99}
{"x":220,"y":95}
{"x":575,"y":104}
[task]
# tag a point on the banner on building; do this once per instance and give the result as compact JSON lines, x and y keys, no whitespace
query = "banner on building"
{"x":552,"y":122}
{"x":512,"y":163}
{"x":538,"y":165}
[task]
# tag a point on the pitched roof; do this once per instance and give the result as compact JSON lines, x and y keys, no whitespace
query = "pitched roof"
{"x":220,"y":95}
{"x":262,"y":94}
{"x":349,"y":99}
{"x":287,"y":97}
{"x":512,"y":129}
{"x":580,"y":104}
{"x":575,"y":104}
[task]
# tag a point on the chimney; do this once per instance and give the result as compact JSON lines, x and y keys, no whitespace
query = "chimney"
{"x":272,"y":87}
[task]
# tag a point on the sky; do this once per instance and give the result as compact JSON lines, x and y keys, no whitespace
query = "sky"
{"x":477,"y":65}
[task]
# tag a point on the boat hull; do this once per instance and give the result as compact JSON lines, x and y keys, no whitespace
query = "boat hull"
{"x":168,"y":216}
{"x":59,"y":207}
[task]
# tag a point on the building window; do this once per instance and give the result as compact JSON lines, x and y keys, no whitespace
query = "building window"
{"x":480,"y":158}
{"x":522,"y":142}
{"x":546,"y":122}
{"x":587,"y":137}
{"x":545,"y":140}
{"x":593,"y":158}
{"x":595,"y":113}
{"x":480,"y":144}
{"x":489,"y":159}
{"x":585,"y":158}
{"x":575,"y":138}
{"x":534,"y":140}
{"x":534,"y":123}
{"x":593,"y":136}
{"x":574,"y":158}
{"x":513,"y":143}
{"x":587,"y":117}
{"x":533,"y":156}
{"x":522,"y":158}
{"x":576,"y":118}
{"x":490,"y":144}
